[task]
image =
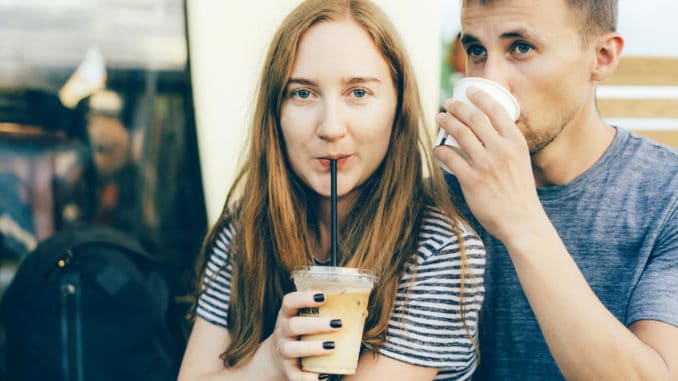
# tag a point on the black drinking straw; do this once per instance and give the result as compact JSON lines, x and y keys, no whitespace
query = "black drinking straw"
{"x":333,"y":205}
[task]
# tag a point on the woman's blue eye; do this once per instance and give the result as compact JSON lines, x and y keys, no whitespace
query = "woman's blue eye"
{"x":303,"y":94}
{"x":359,"y":93}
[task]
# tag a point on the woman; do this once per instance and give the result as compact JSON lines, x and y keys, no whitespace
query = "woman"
{"x":337,"y":84}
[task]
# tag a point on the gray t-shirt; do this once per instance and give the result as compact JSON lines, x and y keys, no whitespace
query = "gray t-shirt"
{"x":619,"y":222}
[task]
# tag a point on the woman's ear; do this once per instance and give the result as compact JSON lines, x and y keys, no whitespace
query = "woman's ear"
{"x":608,"y":50}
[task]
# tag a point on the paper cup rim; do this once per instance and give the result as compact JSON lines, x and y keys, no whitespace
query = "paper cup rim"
{"x":468,"y":81}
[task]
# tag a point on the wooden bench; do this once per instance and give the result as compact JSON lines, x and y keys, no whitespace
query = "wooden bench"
{"x":642,"y":96}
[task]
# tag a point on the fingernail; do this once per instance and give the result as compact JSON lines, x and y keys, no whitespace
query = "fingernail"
{"x":323,"y":376}
{"x":319,"y":297}
{"x":328,"y":345}
{"x":335,"y":323}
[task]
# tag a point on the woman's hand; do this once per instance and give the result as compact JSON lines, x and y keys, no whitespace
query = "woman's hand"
{"x":285,"y":345}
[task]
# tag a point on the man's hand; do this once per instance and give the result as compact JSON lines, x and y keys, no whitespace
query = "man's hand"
{"x":497,"y":178}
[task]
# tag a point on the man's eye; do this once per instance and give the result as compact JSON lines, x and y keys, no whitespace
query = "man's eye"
{"x":475,"y":51}
{"x":522,"y":47}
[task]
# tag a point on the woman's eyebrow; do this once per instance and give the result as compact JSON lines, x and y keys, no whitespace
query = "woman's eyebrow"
{"x":301,"y":81}
{"x":354,"y":80}
{"x":345,"y":81}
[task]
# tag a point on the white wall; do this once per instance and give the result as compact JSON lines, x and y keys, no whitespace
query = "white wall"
{"x":228,"y":42}
{"x":650,"y":27}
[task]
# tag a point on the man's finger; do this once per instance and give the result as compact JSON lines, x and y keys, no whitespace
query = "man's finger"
{"x":453,"y":161}
{"x":468,"y":142}
{"x":499,"y":118}
{"x":474,"y":119}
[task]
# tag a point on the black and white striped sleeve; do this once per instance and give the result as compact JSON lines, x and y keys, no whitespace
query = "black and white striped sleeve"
{"x":216,"y":286}
{"x":426,"y":327}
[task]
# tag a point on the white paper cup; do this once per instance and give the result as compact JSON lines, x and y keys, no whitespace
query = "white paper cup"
{"x":500,"y":95}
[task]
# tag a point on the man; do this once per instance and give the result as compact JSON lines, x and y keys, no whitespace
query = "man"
{"x":582,"y":277}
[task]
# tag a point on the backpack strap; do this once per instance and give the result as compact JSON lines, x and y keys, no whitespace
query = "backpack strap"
{"x":105,"y":235}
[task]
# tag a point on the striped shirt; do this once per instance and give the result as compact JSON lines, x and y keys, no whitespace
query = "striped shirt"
{"x":426,"y":327}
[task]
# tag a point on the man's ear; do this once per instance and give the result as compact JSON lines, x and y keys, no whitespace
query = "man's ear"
{"x":608,"y":50}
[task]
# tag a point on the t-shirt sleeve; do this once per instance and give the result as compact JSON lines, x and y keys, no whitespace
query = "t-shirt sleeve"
{"x":654,"y":297}
{"x":426,"y":327}
{"x":216,"y":286}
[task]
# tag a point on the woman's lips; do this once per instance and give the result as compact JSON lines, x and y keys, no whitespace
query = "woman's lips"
{"x":341,"y":161}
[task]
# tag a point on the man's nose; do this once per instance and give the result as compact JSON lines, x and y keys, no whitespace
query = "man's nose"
{"x":495,"y":69}
{"x":332,"y":123}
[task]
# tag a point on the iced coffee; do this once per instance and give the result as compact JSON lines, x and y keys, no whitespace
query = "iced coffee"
{"x":347,"y":292}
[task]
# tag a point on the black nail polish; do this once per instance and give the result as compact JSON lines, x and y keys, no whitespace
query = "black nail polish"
{"x":319,"y":297}
{"x":335,"y":323}
{"x":328,"y":345}
{"x":323,"y":377}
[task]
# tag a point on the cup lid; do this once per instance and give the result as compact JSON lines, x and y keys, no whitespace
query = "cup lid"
{"x":334,"y":273}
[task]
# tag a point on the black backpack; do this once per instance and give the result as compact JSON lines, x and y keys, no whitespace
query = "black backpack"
{"x":89,"y":305}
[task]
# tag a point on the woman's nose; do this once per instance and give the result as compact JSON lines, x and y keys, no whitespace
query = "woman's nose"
{"x":332,"y":124}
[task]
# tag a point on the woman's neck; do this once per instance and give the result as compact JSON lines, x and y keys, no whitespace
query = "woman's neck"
{"x":323,"y":215}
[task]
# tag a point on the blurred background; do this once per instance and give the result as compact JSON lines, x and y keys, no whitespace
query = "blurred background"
{"x":97,"y":127}
{"x":132,"y":113}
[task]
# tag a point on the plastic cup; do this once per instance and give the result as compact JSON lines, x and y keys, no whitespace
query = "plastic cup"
{"x":500,"y":95}
{"x":347,"y":291}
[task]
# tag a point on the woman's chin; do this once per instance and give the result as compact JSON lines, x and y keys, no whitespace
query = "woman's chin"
{"x":326,"y":192}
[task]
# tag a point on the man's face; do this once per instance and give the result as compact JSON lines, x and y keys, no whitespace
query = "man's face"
{"x":535,"y":49}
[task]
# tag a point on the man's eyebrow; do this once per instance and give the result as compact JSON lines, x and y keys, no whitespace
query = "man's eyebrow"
{"x":468,"y":38}
{"x":516,"y":33}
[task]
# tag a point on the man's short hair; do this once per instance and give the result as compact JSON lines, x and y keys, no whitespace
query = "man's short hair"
{"x":596,"y":16}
